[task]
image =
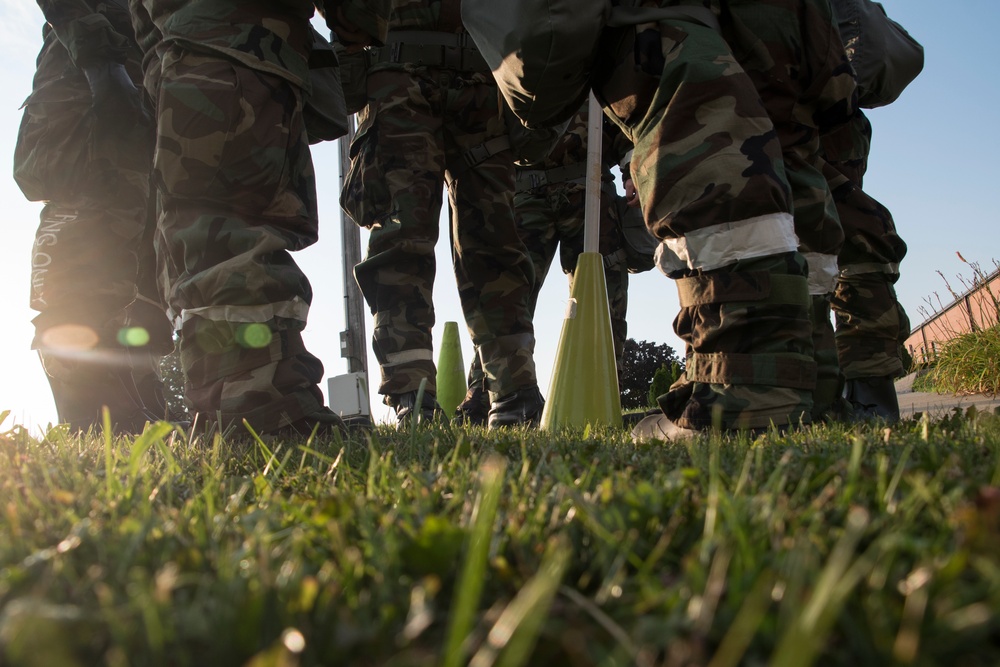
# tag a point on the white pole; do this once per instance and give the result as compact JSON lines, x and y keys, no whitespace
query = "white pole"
{"x":592,"y":212}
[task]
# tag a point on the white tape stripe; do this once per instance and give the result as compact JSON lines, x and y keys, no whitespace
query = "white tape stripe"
{"x":823,"y":272}
{"x":726,"y":243}
{"x":408,"y":356}
{"x":297,"y":309}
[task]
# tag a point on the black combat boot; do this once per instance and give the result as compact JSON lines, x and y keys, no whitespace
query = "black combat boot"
{"x":520,"y":407}
{"x":405,"y":405}
{"x":474,"y":410}
{"x":873,"y":398}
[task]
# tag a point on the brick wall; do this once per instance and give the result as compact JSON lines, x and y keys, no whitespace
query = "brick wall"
{"x":976,"y":309}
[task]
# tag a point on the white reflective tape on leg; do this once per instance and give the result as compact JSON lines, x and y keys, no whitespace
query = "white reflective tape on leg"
{"x":891,"y":268}
{"x":823,"y":272}
{"x":728,"y":242}
{"x":408,"y":356}
{"x":296,"y":309}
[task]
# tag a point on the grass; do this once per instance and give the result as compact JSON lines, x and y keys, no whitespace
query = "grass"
{"x":966,"y":364}
{"x":439,"y":546}
{"x":969,"y":361}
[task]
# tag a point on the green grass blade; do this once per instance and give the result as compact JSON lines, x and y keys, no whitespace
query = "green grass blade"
{"x":512,"y":638}
{"x":473,"y":573}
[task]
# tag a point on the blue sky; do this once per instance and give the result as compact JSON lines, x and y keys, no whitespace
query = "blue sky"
{"x":933,"y":163}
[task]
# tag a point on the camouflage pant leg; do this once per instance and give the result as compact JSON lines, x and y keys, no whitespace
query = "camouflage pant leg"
{"x":536,"y":227}
{"x":806,"y":84}
{"x":97,"y":345}
{"x":699,"y":165}
{"x":749,"y":360}
{"x":871,"y":323}
{"x":829,"y":379}
{"x":237,"y":193}
{"x":394,"y":189}
{"x":95,"y":350}
{"x":400,"y":159}
{"x":494,"y":273}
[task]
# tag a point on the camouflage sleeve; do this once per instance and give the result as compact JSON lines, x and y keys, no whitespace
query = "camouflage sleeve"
{"x":87,"y":35}
{"x":371,"y":16}
{"x":834,"y":87}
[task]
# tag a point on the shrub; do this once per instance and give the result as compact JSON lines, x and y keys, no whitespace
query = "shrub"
{"x":662,"y":379}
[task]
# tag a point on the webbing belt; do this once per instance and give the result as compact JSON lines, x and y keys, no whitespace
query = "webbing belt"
{"x":428,"y":48}
{"x":484,"y":151}
{"x":528,"y":179}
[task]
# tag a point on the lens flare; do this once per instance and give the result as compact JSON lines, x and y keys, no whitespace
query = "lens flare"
{"x":133,"y":337}
{"x":254,"y":336}
{"x":69,"y":338}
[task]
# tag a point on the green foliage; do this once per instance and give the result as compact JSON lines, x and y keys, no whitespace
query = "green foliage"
{"x":662,"y":379}
{"x":910,"y":365}
{"x":640,"y":362}
{"x":830,"y":546}
{"x":967,"y":364}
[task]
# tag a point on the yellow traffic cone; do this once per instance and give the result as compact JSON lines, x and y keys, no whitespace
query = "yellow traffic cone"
{"x":584,"y":385}
{"x":451,"y":378}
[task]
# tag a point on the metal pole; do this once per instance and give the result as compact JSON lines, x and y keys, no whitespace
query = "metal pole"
{"x":592,"y":211}
{"x":353,"y":342}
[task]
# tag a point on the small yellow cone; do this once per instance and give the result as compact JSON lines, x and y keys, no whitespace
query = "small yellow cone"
{"x":451,"y":379}
{"x":584,"y":386}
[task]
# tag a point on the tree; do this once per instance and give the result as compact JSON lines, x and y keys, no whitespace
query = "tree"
{"x":640,"y":362}
{"x":662,"y":379}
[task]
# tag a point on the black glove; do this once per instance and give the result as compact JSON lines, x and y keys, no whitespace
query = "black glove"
{"x":115,"y":98}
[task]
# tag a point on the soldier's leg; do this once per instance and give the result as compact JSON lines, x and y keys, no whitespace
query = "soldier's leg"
{"x":494,"y":274}
{"x":237,"y":193}
{"x":394,"y":189}
{"x":871,"y":323}
{"x":534,"y":214}
{"x":537,"y":214}
{"x":84,"y":266}
{"x":821,"y":239}
{"x":147,"y":317}
{"x":709,"y":172}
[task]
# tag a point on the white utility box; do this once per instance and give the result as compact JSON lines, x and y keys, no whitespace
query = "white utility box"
{"x":348,"y":395}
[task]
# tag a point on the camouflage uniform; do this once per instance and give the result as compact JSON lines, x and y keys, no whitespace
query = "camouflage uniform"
{"x":807,"y":92}
{"x":100,"y":334}
{"x":871,"y":323}
{"x":434,"y":118}
{"x":236,"y":196}
{"x":549,"y":210}
{"x":710,"y":170}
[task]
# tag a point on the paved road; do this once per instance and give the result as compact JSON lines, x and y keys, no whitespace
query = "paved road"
{"x":938,"y":405}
